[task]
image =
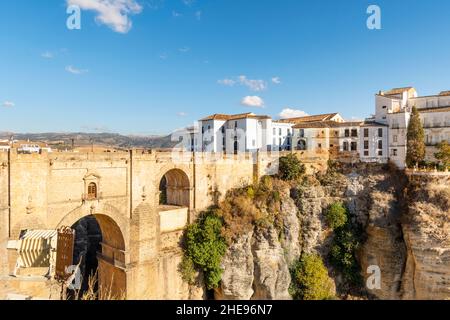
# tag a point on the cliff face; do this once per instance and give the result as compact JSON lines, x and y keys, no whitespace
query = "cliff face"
{"x":407,"y":235}
{"x":256,"y":266}
{"x":426,"y":230}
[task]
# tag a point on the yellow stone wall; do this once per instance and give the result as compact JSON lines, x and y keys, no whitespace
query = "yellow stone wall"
{"x":141,"y":248}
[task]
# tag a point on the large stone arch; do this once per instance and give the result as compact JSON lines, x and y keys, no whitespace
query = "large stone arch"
{"x":112,"y":260}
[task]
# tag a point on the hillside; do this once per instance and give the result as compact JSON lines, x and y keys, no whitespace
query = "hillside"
{"x":64,"y":140}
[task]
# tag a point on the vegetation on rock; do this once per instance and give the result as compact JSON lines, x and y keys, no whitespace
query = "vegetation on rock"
{"x":205,"y":248}
{"x":443,"y":154}
{"x":345,"y":243}
{"x":250,"y":206}
{"x":336,"y":215}
{"x":310,"y":280}
{"x":415,"y":153}
{"x":291,"y":168}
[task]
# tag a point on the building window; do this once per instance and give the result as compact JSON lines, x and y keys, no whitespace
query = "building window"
{"x":203,"y":130}
{"x":274,"y":132}
{"x":354,"y":132}
{"x":209,"y":128}
{"x":345,"y":146}
{"x":319,"y":145}
{"x":289,"y":132}
{"x":280,"y":132}
{"x":380,"y":132}
{"x":301,"y":145}
{"x":235,"y":124}
{"x":347,"y":133}
{"x":380,"y":144}
{"x":302,"y":133}
{"x":384,"y":107}
{"x":395,"y":138}
{"x":366,"y":132}
{"x":380,"y":153}
{"x":354,"y":146}
{"x":92,"y":191}
{"x":394,"y":152}
{"x":366,"y":144}
{"x":366,"y":153}
{"x":223,"y":130}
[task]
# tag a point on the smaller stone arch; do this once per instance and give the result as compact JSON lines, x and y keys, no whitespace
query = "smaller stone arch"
{"x":175,"y":188}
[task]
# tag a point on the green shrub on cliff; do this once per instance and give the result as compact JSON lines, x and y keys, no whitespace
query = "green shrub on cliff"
{"x":336,"y":215}
{"x":310,"y":280}
{"x":205,"y":248}
{"x":345,"y":244}
{"x":443,"y":154}
{"x":291,"y":168}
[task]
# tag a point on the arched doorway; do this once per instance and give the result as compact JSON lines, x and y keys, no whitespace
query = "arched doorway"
{"x":174,"y":189}
{"x":301,"y":145}
{"x":100,"y":250}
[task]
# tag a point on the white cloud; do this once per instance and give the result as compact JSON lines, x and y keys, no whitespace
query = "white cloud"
{"x":182,"y":114}
{"x":8,"y":104}
{"x":227,"y":82}
{"x":276,"y":80}
{"x":254,"y":85}
{"x":73,"y":70}
{"x":252,"y":101}
{"x":188,"y":2}
{"x":184,"y":49}
{"x":292,"y":113}
{"x":176,"y":14}
{"x":47,"y":55}
{"x":198,"y":15}
{"x":163,"y":56}
{"x":113,"y":13}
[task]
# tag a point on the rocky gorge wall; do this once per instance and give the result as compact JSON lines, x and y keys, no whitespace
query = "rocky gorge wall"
{"x":406,"y":224}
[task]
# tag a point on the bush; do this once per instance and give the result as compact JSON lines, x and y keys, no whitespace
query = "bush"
{"x":290,"y":168}
{"x":310,"y":280}
{"x":205,"y":247}
{"x":343,"y":253}
{"x":187,"y":270}
{"x":336,"y":215}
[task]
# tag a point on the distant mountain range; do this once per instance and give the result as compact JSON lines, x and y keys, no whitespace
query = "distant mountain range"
{"x":82,"y":139}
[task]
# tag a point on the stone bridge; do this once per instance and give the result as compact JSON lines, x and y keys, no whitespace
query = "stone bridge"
{"x":141,"y":202}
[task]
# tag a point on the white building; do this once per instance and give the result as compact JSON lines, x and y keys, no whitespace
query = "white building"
{"x":394,"y":109}
{"x":379,"y":138}
{"x":245,"y":132}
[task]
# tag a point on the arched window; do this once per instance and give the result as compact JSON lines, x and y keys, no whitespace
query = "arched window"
{"x":301,"y":145}
{"x":92,"y":191}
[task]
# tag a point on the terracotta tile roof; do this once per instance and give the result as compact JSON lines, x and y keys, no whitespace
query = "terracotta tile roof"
{"x":373,"y":124}
{"x":445,"y":93}
{"x":327,"y":124}
{"x":314,"y":118}
{"x":396,"y":91}
{"x":225,"y":117}
{"x":435,"y":109}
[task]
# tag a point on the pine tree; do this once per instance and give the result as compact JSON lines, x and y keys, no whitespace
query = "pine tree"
{"x":415,"y":140}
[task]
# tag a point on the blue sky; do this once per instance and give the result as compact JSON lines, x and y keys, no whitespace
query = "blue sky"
{"x":165,"y":71}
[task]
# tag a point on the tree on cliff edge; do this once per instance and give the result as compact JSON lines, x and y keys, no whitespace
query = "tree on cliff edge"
{"x":415,"y":152}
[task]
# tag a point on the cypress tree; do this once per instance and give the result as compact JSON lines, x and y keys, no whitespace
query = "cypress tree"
{"x":415,"y":152}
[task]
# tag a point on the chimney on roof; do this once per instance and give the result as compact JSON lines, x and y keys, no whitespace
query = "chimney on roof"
{"x":381,"y":93}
